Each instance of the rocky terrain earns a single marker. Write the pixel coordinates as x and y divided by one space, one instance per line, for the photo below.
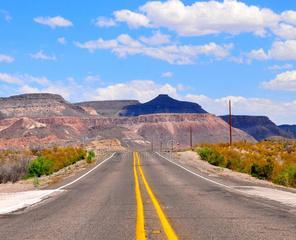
36 120
38 105
260 127
22 132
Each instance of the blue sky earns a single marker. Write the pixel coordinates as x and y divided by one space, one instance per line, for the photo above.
202 51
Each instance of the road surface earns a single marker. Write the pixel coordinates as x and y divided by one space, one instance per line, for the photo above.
144 196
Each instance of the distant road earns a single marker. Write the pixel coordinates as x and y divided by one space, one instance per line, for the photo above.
175 205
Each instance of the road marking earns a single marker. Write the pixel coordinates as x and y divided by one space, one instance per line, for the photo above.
84 175
140 224
49 192
169 231
196 174
283 197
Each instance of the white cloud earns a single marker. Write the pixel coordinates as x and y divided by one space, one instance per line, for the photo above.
134 20
210 17
7 78
258 54
54 22
62 40
289 17
280 50
41 55
28 89
92 78
280 67
143 90
124 46
22 79
6 59
97 44
280 112
283 50
167 74
283 81
104 22
202 18
156 39
6 15
285 31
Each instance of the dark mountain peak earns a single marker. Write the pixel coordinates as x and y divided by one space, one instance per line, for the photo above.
260 127
163 98
291 129
163 103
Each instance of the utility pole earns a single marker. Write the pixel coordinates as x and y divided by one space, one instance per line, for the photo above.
230 123
190 135
152 143
160 142
172 149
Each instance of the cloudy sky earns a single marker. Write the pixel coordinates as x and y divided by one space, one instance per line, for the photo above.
202 51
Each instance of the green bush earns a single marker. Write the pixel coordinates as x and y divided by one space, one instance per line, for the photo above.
263 171
39 166
212 156
287 177
90 156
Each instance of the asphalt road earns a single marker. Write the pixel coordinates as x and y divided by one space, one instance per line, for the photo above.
103 206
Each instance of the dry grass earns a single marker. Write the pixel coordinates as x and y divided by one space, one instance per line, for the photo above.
16 165
13 165
272 160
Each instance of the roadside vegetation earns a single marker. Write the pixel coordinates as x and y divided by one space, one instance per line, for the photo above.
272 160
16 165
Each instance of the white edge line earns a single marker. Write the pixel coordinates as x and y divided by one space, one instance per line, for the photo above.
64 186
77 179
196 174
225 186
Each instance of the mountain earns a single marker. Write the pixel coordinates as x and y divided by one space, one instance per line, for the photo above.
162 104
291 129
106 108
260 127
38 105
206 128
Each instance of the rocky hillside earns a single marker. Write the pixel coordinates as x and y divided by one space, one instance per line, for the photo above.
142 129
38 105
162 104
106 108
260 127
291 129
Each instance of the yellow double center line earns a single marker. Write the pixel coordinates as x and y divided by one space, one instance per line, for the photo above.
140 224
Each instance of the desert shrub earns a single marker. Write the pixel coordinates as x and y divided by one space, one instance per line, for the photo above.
40 166
212 156
262 171
287 177
90 156
13 166
272 160
63 157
